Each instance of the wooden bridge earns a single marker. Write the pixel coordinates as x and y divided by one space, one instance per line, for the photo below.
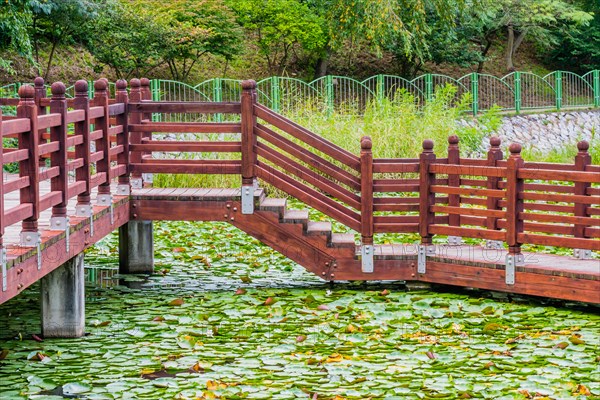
82 169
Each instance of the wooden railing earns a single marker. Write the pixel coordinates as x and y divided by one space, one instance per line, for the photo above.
493 199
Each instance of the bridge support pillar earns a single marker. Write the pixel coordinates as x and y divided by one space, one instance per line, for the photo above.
136 248
63 300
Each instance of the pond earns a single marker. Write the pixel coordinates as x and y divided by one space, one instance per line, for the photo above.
231 319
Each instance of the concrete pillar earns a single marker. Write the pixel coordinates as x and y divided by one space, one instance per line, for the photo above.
63 300
136 248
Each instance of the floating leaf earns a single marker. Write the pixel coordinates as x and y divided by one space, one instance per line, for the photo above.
575 339
3 354
76 388
335 357
240 292
431 355
37 338
384 292
561 345
269 301
300 338
176 302
323 307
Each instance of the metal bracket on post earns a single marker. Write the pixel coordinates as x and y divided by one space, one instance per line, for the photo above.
4 269
61 224
582 254
494 244
512 261
86 211
136 183
106 200
123 190
455 240
147 177
366 254
247 199
33 239
424 251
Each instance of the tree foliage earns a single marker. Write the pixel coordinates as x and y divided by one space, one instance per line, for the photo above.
15 19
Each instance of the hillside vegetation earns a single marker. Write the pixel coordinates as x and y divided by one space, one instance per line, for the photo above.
192 40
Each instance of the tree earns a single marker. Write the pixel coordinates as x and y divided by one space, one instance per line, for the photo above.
197 28
398 25
130 41
281 28
59 21
15 18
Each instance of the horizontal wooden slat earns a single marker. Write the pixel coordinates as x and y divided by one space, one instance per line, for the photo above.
49 173
17 214
167 167
96 156
186 107
393 187
16 184
548 228
76 189
9 102
395 228
47 148
74 140
467 170
116 109
115 130
386 166
545 240
15 126
75 116
592 232
181 146
118 170
467 232
188 127
50 200
49 121
560 219
566 198
557 175
96 112
15 155
396 219
115 150
468 191
95 135
477 212
474 161
396 207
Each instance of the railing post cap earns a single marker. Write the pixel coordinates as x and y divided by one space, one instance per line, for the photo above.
145 82
38 82
101 85
453 140
583 146
121 84
366 143
26 92
515 149
249 84
135 83
495 141
428 145
81 88
58 89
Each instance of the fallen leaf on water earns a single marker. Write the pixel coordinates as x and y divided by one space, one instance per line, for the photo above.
37 338
335 357
431 355
269 301
240 292
176 302
178 250
36 356
323 307
300 338
245 279
562 345
158 319
576 339
581 389
3 354
384 292
350 328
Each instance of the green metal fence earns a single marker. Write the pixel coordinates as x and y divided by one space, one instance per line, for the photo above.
516 92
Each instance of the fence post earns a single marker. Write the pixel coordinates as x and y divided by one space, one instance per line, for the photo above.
475 92
366 204
517 81
428 87
218 95
121 96
248 100
596 77
582 160
40 93
58 105
558 88
493 156
30 236
514 207
135 137
2 249
146 136
83 151
275 94
329 94
426 200
454 181
380 90
104 197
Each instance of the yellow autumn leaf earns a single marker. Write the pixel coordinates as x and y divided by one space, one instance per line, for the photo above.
335 357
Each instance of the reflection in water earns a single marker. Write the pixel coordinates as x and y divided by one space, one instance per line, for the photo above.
101 277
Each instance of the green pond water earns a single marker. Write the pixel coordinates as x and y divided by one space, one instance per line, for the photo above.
231 319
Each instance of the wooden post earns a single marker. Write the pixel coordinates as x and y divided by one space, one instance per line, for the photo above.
514 206
121 96
103 144
582 160
366 203
2 249
454 181
135 96
60 183
493 156
426 201
146 95
82 151
249 158
30 236
40 93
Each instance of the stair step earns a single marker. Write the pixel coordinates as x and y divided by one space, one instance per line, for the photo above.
343 240
274 205
295 217
318 228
